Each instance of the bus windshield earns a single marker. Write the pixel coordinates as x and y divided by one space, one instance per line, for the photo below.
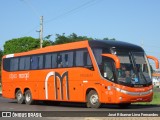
134 69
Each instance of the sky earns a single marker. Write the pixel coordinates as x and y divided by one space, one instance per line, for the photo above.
133 21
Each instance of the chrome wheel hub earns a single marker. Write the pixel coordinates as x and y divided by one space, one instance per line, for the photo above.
28 97
94 99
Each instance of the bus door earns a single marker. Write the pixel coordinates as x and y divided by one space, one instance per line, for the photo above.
108 72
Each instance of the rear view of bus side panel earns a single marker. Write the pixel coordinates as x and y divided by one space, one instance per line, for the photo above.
7 86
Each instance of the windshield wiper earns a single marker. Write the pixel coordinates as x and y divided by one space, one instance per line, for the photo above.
141 73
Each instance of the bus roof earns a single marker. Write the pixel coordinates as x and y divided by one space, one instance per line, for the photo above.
117 44
54 48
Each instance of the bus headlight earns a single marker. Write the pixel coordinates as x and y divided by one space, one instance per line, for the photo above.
120 98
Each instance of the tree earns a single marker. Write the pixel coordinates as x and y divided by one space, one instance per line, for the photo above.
60 39
28 43
109 39
23 44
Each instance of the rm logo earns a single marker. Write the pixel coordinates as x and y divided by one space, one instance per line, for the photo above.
56 75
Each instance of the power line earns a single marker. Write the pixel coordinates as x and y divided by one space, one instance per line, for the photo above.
71 11
34 28
86 4
32 8
35 12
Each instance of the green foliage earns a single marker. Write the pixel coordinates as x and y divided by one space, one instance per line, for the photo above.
1 55
23 44
47 43
109 39
20 45
60 39
28 43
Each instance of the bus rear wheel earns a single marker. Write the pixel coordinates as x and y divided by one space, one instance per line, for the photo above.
28 97
19 97
93 99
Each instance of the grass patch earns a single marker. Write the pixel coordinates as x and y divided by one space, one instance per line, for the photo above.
156 98
0 88
155 101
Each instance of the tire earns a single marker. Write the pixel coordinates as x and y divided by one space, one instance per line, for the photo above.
28 98
19 97
124 105
93 99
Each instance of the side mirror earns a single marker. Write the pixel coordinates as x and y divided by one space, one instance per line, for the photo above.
155 60
115 58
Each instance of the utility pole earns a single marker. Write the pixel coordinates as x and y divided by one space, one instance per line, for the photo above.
41 31
142 44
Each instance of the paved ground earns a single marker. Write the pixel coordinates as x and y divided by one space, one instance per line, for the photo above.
11 105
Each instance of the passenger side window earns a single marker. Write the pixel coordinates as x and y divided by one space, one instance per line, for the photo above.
40 61
34 62
79 58
65 59
97 53
14 64
24 63
7 64
54 60
82 58
48 60
70 59
86 58
59 61
21 63
108 69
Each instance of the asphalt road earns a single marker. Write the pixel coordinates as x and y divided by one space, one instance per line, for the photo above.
11 105
75 108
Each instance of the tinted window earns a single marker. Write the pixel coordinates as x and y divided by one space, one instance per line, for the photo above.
86 58
59 60
70 59
21 63
54 60
79 57
40 61
97 53
24 63
6 64
34 62
82 58
65 59
14 64
48 60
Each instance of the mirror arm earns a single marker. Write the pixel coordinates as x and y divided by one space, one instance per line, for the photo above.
115 58
155 60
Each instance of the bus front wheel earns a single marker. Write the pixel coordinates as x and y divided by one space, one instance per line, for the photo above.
28 97
93 99
19 97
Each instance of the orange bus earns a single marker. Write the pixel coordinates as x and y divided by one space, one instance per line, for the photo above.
92 72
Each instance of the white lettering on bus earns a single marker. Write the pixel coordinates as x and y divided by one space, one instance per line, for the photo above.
12 76
21 76
24 75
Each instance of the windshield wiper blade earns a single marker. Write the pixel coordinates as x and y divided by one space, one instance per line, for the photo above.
141 73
